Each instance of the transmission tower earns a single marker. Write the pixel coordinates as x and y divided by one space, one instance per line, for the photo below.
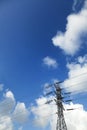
61 124
59 99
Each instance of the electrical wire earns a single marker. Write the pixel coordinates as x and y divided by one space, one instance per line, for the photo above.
76 90
50 85
78 75
74 84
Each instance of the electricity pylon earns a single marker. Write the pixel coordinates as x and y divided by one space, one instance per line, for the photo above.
61 124
59 99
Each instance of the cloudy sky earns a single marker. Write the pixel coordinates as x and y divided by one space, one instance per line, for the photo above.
42 41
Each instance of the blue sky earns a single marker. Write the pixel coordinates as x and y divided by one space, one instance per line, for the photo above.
41 41
27 28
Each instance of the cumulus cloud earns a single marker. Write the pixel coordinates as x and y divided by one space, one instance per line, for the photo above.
50 62
83 59
11 112
77 75
71 40
7 105
6 123
46 115
20 113
42 112
76 119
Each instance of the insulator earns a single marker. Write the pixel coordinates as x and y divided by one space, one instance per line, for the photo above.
48 101
48 93
68 101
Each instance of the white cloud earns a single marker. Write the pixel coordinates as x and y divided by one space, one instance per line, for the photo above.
71 40
7 105
10 112
42 112
6 123
82 60
9 95
50 62
20 113
76 119
46 115
77 75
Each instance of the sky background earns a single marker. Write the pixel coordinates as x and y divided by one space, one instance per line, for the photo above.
41 41
26 30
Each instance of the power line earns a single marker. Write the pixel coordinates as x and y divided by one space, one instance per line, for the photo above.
78 75
74 90
61 82
79 83
72 85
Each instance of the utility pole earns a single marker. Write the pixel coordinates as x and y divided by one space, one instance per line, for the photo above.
61 125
